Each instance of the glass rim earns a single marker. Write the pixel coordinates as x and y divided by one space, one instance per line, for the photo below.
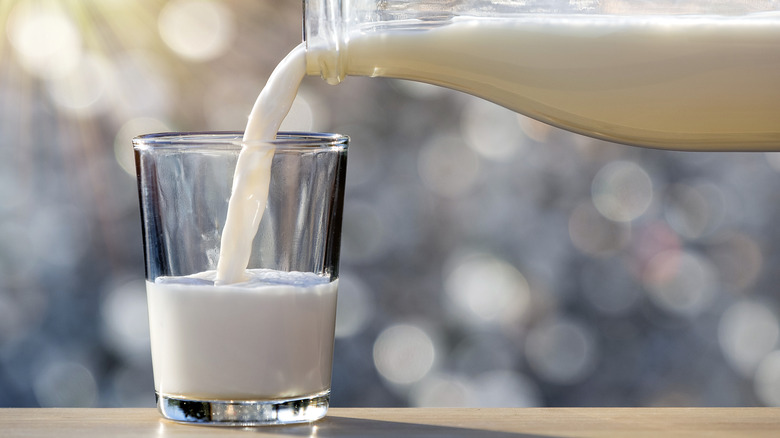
234 140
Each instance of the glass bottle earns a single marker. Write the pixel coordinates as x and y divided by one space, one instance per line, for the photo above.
671 74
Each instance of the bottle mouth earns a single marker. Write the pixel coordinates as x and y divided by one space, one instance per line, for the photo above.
324 39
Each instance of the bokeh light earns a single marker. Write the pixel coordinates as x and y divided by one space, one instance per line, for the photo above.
485 290
47 41
492 131
561 351
442 391
622 191
680 282
199 30
747 332
404 354
86 91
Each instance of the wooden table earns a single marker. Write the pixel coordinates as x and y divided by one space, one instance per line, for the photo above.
365 422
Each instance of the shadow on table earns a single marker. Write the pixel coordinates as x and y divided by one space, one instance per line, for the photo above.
331 426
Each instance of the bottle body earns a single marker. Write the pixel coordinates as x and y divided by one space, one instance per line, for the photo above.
692 82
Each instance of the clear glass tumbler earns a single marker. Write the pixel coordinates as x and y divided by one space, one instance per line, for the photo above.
258 352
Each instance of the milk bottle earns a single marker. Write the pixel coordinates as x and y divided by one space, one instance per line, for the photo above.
670 75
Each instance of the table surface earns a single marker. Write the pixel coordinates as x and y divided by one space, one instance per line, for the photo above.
407 422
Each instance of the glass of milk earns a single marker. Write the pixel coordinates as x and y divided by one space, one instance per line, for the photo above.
258 350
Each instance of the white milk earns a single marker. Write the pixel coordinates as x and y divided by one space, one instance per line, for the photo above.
269 338
708 83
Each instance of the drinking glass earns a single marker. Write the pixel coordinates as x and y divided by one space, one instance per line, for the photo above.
260 351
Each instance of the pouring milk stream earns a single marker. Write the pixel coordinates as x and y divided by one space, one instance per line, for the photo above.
253 170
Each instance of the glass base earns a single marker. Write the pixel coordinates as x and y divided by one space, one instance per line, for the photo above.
244 412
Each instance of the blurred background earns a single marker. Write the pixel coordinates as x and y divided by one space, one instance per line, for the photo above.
487 259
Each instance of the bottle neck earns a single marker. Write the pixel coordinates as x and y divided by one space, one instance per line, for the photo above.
323 33
327 25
